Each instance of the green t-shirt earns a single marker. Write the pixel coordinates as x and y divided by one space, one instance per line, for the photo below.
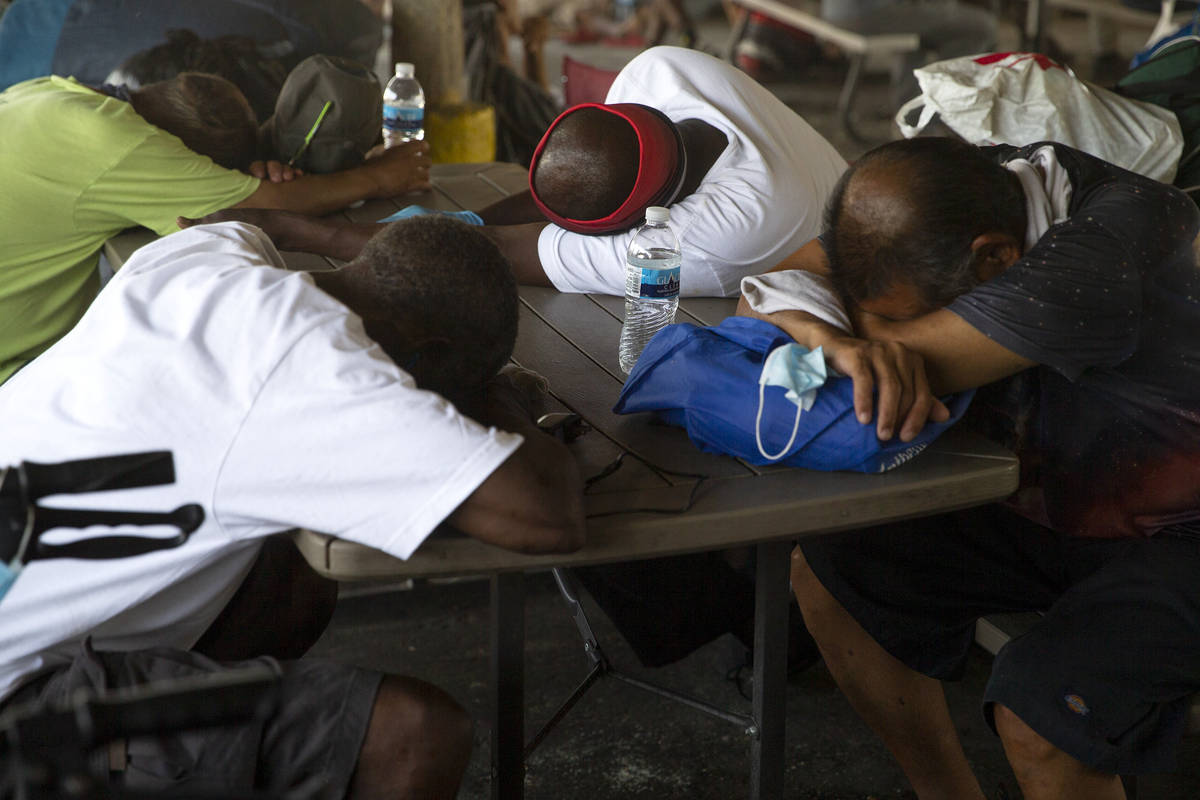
76 168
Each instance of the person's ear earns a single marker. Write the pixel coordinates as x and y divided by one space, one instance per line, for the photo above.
994 252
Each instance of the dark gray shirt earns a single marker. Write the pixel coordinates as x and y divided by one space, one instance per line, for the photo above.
1108 302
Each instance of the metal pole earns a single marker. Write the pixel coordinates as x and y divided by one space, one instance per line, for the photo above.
508 685
429 33
772 596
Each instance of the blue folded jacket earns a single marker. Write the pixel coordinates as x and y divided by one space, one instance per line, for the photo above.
706 380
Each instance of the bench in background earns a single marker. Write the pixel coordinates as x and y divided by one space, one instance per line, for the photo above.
859 47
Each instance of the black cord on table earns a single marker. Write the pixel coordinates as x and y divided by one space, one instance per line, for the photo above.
617 463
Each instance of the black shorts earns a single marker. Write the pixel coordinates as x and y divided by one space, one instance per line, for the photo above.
313 739
1106 674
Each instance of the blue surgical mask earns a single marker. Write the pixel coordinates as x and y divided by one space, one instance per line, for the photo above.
8 575
798 370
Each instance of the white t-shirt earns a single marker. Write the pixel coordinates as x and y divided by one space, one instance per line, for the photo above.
761 201
280 413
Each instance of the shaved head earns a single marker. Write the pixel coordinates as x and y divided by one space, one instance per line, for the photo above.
588 166
439 298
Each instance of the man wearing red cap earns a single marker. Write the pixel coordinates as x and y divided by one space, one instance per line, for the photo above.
745 178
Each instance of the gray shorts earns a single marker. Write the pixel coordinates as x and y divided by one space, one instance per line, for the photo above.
312 740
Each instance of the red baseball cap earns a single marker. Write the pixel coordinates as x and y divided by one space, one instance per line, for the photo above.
662 164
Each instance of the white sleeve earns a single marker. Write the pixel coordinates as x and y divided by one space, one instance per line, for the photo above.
577 263
796 290
596 264
340 440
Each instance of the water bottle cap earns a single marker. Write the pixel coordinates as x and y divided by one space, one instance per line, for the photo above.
404 69
658 214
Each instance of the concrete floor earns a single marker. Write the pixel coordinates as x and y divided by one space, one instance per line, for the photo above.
621 743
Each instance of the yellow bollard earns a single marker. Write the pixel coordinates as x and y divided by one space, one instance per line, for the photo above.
461 133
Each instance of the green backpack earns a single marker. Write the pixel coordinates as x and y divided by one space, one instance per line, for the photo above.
1171 78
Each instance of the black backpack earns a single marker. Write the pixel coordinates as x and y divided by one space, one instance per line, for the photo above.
1171 78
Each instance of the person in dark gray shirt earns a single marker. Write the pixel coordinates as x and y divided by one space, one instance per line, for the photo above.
1067 289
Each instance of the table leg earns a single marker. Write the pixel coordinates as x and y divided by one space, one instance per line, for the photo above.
846 97
737 31
508 685
772 596
1034 35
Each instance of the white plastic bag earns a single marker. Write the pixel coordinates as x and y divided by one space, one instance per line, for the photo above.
1021 98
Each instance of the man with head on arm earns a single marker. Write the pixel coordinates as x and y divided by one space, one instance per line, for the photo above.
745 178
1067 288
287 401
79 165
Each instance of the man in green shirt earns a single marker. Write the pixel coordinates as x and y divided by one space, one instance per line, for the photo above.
79 165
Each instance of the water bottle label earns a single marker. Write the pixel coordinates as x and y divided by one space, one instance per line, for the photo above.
403 120
655 284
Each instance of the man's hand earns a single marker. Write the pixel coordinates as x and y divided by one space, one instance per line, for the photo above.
395 171
897 373
274 171
400 169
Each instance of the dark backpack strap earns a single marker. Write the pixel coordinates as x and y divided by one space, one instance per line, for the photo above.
185 519
1186 87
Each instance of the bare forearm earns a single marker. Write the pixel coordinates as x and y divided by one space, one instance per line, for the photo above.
316 194
516 209
385 173
332 236
346 240
957 356
810 258
808 330
533 503
519 244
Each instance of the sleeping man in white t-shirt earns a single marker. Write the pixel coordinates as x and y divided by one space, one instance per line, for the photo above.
745 177
288 400
746 180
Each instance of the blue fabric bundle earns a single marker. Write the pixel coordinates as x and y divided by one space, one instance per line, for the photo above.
706 380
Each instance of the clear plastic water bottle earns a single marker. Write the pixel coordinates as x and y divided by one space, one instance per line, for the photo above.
403 107
651 284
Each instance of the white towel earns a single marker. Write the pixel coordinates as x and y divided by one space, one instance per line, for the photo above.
796 290
1047 192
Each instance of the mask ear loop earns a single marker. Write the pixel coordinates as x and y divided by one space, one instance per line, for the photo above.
758 428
